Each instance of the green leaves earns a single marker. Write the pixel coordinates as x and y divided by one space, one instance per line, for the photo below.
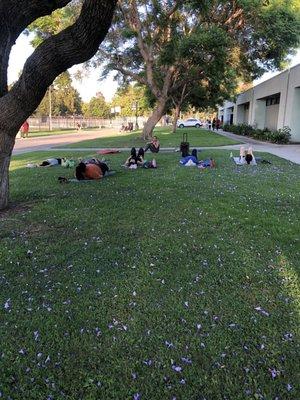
64 97
52 24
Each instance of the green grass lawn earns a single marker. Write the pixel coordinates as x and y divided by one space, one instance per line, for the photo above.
172 283
58 132
196 137
51 133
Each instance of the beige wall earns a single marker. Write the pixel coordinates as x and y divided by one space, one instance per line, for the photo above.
272 113
287 113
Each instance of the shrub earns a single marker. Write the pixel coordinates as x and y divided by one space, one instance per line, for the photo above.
280 136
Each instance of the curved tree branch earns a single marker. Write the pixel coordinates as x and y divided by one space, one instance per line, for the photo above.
73 45
15 16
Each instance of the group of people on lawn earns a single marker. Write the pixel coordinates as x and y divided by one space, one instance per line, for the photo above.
96 169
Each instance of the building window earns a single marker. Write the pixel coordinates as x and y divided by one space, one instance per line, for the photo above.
246 106
271 101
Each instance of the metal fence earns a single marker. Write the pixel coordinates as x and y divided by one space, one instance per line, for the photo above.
60 123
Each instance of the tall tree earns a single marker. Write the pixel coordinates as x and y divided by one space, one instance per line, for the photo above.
65 98
96 107
133 101
146 40
73 45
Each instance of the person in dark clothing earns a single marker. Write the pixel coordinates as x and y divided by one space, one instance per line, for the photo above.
140 157
214 124
132 159
153 146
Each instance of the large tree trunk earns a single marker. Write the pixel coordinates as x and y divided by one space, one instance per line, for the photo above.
157 114
176 117
6 146
55 55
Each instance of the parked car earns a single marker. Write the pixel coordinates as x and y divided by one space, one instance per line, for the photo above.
191 122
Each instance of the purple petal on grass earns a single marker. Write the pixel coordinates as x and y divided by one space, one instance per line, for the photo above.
288 336
7 304
186 360
148 362
262 311
137 396
176 368
274 373
169 344
289 387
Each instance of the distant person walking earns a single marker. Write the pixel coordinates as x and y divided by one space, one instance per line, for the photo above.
218 124
25 129
214 124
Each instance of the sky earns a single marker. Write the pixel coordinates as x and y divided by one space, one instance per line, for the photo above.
90 84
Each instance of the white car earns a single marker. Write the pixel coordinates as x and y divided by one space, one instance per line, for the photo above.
189 123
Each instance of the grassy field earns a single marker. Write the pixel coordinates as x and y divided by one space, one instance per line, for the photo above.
197 138
172 283
58 132
51 133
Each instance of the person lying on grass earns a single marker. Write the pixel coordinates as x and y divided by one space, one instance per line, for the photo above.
135 160
209 163
91 170
247 156
190 160
51 162
153 146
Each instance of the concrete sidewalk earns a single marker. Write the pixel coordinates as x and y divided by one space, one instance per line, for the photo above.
290 152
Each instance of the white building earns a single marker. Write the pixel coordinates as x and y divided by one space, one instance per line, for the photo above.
272 104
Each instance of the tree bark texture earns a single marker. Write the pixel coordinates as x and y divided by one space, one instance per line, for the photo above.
55 55
6 146
176 117
157 114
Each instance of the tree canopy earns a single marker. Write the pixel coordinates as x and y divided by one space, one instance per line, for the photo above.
65 98
158 43
96 107
133 100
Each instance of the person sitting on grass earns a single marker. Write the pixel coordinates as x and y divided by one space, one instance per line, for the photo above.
132 159
153 146
91 170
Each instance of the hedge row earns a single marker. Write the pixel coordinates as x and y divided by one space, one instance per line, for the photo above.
280 136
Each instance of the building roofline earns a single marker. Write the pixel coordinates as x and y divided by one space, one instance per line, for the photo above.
273 77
